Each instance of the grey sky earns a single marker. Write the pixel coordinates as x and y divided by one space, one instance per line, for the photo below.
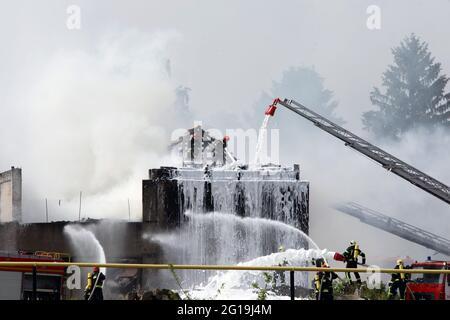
228 51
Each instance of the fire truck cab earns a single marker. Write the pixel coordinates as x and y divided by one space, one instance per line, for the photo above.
17 281
429 286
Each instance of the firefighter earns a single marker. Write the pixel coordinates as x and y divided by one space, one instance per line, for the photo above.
398 282
94 287
88 289
351 258
323 281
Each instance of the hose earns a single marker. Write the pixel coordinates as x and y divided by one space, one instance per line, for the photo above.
94 287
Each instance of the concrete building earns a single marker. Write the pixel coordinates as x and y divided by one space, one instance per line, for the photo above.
11 195
212 179
274 193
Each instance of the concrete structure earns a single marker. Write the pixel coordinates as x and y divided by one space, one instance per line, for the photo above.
120 240
11 195
270 192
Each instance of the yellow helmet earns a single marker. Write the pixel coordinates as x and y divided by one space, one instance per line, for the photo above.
280 249
352 243
400 262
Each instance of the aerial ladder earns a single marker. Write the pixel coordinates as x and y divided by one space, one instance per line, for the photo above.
388 161
397 227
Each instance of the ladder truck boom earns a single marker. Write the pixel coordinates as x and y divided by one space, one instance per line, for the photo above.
397 227
388 161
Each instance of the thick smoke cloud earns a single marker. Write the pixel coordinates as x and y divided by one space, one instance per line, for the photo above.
96 121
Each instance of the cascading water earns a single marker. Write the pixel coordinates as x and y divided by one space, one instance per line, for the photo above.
86 246
272 193
237 284
221 238
262 135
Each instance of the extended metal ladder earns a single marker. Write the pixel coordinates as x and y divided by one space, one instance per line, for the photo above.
397 227
388 161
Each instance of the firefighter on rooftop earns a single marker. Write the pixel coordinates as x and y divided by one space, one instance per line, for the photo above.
351 258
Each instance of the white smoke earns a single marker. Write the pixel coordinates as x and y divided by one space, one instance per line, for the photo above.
96 121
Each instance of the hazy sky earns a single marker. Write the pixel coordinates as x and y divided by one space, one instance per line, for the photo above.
227 52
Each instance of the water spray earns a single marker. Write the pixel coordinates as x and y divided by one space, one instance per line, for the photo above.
85 244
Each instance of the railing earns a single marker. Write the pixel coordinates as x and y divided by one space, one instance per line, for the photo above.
291 269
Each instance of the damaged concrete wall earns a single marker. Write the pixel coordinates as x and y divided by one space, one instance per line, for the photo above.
11 195
123 242
120 240
160 198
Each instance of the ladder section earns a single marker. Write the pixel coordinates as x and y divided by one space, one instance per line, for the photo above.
388 161
397 227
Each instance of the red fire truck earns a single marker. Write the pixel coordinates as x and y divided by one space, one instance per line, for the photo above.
429 286
16 282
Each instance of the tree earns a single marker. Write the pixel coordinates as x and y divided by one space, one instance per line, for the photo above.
306 86
414 92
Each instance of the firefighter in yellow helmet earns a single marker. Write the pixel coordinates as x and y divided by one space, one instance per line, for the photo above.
398 282
94 287
351 258
323 281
